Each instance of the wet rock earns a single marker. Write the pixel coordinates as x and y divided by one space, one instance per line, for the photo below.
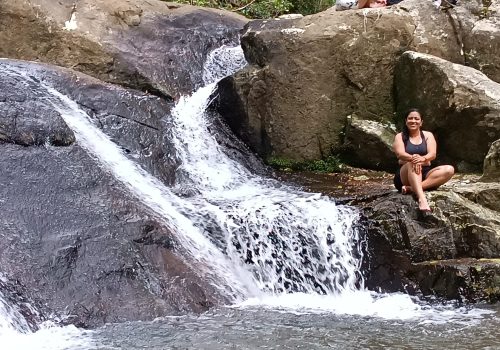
430 254
25 314
459 104
410 251
22 110
469 280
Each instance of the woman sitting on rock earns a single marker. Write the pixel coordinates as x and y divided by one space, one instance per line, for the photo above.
341 5
415 150
361 4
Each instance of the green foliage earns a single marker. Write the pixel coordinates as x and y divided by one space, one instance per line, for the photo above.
331 164
265 8
485 10
308 7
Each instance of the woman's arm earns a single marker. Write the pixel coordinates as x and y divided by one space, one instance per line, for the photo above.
399 148
431 146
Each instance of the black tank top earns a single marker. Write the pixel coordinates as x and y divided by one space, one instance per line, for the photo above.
420 149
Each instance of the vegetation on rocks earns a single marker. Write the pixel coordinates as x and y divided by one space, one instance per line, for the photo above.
265 8
330 164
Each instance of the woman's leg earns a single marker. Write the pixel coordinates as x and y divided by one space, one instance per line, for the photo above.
435 177
410 177
377 3
363 3
438 176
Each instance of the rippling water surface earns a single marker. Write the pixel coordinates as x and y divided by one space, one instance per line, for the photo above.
262 328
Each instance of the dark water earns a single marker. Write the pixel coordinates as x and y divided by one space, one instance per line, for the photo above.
258 328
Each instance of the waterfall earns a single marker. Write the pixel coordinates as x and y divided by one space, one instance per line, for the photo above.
246 234
290 240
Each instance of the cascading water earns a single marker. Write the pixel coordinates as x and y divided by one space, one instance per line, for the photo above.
11 320
271 237
290 240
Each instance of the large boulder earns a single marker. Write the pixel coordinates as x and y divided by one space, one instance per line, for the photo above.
307 75
149 45
478 30
459 104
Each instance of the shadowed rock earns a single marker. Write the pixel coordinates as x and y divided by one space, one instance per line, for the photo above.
368 144
412 252
491 166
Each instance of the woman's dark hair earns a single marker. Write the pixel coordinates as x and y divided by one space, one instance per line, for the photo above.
405 131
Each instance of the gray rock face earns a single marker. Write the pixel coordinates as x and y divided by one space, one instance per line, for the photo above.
459 104
21 109
478 29
69 230
368 144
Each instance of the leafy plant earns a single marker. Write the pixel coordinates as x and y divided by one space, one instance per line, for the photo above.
331 164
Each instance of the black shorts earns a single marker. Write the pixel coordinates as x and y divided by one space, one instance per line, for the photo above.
397 177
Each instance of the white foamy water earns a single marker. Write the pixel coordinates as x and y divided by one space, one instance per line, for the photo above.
11 320
390 306
49 337
289 239
154 194
16 334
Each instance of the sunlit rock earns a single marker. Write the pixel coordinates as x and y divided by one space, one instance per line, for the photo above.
308 74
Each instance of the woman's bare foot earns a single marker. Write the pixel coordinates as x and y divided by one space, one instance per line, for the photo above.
423 205
377 3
